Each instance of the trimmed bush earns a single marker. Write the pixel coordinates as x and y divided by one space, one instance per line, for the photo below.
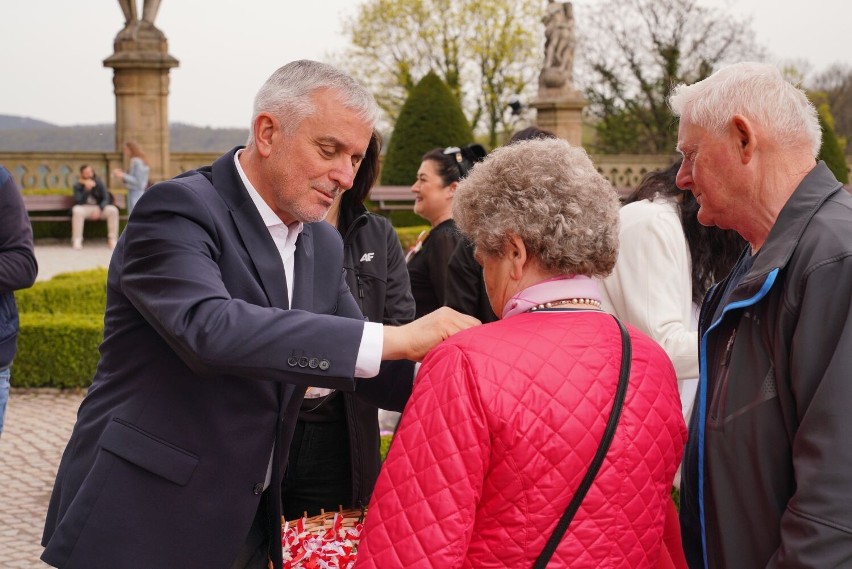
62 325
430 118
408 235
384 445
831 150
57 350
67 293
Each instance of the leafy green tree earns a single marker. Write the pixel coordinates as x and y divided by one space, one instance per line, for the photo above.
836 83
631 54
831 150
486 51
431 117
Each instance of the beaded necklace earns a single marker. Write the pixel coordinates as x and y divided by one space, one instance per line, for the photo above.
584 302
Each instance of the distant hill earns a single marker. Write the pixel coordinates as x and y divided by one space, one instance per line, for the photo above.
20 134
8 122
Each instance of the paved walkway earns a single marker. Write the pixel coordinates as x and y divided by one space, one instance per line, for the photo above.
61 258
38 424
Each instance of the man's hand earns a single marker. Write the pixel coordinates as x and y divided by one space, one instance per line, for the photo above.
413 341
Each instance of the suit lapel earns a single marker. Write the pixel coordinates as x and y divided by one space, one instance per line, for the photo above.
263 253
253 232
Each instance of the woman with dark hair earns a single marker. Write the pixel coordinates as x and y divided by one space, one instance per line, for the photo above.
334 456
437 179
465 290
666 263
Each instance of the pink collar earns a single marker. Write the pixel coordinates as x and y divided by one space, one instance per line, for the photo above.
572 286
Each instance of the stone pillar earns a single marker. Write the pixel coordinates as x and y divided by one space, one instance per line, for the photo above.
563 117
559 107
141 64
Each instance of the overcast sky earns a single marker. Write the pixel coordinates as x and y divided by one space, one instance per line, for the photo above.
51 51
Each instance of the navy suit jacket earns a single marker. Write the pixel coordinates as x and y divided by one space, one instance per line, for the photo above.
202 371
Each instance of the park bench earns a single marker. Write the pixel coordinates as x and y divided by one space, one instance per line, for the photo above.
58 207
392 197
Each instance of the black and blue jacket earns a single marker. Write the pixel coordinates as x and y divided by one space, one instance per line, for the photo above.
766 475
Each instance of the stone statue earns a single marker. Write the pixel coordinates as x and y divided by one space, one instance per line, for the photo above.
559 45
133 26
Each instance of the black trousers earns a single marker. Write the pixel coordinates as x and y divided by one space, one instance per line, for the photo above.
319 473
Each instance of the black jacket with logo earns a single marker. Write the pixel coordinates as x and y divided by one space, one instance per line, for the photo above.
375 271
378 279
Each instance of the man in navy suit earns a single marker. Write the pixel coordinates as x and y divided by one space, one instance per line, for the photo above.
225 301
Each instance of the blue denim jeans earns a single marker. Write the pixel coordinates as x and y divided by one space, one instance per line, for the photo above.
4 394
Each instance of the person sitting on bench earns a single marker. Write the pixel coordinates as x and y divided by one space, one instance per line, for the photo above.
93 202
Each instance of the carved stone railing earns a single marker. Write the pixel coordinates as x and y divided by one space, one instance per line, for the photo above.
59 170
625 171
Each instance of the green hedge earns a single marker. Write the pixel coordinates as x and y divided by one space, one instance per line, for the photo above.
57 350
68 293
384 445
408 235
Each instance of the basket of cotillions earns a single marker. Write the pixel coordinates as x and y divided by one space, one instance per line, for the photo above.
326 541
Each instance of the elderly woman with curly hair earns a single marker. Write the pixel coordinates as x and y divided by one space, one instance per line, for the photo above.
507 419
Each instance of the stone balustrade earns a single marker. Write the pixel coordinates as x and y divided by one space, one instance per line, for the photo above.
57 170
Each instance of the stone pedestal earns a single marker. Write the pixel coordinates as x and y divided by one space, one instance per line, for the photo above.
141 64
561 112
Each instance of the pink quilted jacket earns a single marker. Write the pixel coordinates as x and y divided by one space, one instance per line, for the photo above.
499 431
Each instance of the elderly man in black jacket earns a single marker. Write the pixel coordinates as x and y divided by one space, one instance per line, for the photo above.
765 480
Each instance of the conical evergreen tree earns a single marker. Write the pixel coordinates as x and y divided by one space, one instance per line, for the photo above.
430 118
831 151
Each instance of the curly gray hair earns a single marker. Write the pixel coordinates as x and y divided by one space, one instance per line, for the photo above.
549 194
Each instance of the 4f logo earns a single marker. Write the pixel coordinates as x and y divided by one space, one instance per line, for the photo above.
366 257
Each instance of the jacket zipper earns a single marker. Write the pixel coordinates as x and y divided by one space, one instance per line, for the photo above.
360 285
720 391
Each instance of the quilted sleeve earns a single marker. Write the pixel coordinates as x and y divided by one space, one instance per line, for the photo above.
423 508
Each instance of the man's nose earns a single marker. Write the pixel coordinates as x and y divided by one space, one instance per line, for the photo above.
344 174
683 180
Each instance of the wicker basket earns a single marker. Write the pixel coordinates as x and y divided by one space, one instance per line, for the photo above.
323 520
320 525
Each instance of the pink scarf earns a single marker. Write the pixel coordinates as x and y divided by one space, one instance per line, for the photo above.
556 288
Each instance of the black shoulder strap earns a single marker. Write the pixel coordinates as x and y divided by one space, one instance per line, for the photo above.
597 461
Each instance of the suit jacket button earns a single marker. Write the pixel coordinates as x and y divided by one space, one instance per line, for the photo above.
324 364
292 361
314 363
303 362
258 488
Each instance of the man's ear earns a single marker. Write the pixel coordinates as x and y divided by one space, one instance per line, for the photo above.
517 253
263 132
746 138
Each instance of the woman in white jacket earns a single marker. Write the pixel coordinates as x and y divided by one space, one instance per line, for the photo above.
666 263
